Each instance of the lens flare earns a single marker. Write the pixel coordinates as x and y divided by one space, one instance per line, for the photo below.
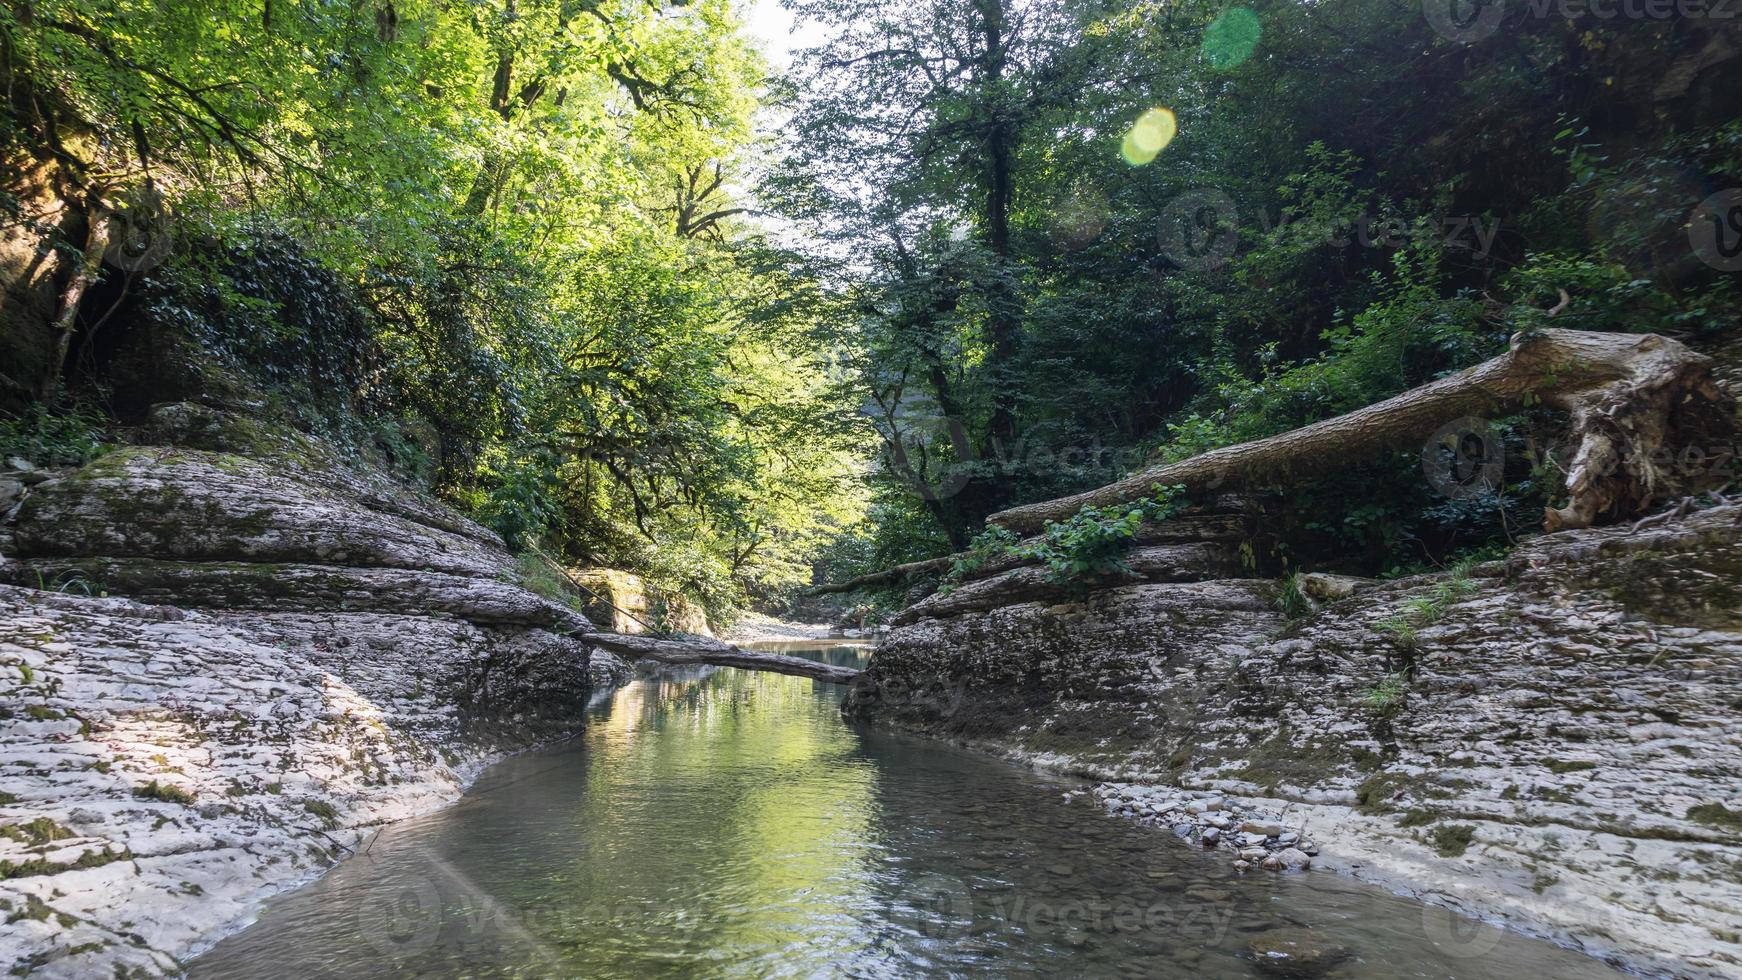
1230 38
1148 136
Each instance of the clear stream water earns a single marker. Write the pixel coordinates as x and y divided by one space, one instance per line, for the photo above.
722 823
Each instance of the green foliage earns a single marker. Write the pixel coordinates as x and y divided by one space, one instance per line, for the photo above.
520 501
1362 257
45 437
1452 840
71 583
1401 629
1388 697
1292 600
1404 626
536 574
502 247
1091 544
164 792
991 543
323 811
1716 815
35 832
509 248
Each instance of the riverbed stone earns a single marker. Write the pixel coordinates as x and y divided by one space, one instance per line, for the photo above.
1296 953
1293 859
252 654
1571 706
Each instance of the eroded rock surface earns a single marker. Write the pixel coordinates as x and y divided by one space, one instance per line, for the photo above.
1553 741
222 663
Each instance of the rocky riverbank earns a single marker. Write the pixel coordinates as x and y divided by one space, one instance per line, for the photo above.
1551 741
226 656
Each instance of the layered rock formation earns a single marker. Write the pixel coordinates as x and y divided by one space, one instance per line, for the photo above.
1552 740
224 657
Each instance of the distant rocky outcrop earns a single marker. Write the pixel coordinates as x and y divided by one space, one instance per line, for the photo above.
1551 739
226 654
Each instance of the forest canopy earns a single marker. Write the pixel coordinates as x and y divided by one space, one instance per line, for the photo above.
600 275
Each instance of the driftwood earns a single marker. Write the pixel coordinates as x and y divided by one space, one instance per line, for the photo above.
705 651
1627 394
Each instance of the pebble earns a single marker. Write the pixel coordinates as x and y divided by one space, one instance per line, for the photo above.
1266 828
1295 953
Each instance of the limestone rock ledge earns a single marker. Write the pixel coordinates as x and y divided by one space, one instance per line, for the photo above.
1566 755
223 662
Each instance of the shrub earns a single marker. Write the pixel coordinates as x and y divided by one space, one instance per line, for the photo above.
164 792
1386 698
48 438
1293 602
1089 544
1092 542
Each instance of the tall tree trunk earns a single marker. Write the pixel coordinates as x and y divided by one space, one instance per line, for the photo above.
86 272
1000 191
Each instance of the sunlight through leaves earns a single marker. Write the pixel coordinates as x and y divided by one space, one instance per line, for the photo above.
1149 136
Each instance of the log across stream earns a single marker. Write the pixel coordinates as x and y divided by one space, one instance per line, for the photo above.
701 650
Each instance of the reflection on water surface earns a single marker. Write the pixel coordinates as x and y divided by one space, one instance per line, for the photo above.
726 823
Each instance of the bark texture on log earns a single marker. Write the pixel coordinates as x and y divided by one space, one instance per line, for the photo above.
1628 396
703 651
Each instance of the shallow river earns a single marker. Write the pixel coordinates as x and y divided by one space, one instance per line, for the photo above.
724 823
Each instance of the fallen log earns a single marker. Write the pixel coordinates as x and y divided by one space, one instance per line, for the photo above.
894 575
704 651
1224 518
1626 394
